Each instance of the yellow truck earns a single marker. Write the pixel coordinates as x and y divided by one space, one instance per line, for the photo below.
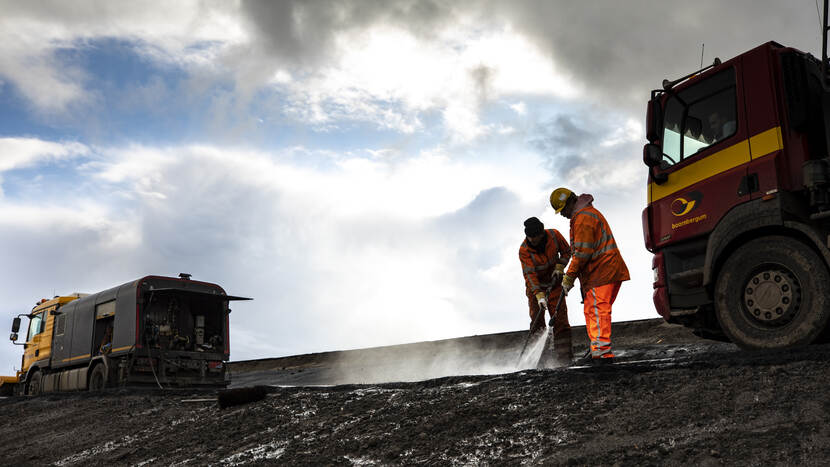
157 330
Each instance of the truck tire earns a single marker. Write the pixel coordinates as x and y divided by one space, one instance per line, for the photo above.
98 378
769 295
35 384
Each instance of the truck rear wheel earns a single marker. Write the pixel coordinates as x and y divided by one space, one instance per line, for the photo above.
768 294
34 386
98 378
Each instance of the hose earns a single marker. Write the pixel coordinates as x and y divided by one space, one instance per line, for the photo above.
147 343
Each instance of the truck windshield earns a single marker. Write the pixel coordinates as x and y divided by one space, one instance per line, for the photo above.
699 116
34 326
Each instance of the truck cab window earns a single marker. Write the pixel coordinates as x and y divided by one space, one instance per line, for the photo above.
704 114
717 116
35 327
671 133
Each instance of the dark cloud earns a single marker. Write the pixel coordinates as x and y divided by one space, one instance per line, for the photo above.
621 50
563 143
482 77
302 33
618 51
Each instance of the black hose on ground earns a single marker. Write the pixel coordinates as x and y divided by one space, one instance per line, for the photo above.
238 396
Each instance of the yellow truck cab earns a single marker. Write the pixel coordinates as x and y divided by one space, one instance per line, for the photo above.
38 345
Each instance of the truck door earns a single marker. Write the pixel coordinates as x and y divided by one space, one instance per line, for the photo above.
37 324
63 335
763 123
705 156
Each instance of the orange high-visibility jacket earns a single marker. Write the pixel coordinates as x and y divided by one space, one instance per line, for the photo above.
596 259
538 266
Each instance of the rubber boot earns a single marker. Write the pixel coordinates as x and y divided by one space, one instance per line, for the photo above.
562 348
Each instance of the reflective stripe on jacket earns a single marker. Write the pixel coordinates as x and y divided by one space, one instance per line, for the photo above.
537 267
596 259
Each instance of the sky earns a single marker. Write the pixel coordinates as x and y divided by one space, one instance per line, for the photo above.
362 169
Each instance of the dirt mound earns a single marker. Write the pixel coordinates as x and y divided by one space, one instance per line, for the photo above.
705 407
487 354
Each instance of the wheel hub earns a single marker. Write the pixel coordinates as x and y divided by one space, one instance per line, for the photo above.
772 297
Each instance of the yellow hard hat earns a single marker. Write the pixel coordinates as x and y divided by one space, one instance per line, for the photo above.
559 197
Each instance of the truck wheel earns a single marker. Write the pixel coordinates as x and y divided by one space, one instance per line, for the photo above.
34 386
98 378
769 295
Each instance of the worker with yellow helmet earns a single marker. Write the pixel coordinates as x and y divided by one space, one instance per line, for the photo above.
596 262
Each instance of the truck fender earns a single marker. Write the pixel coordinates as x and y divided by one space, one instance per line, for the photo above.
755 216
32 369
815 240
102 359
90 370
740 220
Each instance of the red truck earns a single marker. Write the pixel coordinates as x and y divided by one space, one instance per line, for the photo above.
738 214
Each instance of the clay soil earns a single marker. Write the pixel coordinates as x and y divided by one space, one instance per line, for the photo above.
710 407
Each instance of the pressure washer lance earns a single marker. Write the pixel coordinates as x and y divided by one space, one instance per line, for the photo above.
542 311
549 338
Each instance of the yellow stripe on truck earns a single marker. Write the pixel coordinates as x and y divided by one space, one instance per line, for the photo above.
766 143
75 358
762 144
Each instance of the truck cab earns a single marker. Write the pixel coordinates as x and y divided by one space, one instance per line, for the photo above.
738 202
37 348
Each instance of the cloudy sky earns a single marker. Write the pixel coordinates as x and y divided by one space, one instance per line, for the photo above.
361 168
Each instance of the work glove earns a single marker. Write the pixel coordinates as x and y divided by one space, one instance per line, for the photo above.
567 284
558 272
540 297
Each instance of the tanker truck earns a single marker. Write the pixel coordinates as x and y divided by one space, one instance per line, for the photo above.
160 331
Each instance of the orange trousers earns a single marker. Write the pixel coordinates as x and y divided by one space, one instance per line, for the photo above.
598 301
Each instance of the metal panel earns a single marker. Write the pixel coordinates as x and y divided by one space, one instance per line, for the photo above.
84 317
756 76
50 383
106 295
201 293
64 381
61 345
125 309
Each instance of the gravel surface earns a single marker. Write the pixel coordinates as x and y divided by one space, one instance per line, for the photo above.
706 405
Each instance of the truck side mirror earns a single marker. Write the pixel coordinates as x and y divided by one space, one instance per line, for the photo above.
654 119
659 177
13 337
16 325
652 155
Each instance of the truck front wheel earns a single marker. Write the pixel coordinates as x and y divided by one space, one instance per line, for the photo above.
98 378
769 295
34 386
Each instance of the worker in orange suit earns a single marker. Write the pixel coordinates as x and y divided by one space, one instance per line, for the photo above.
544 254
597 263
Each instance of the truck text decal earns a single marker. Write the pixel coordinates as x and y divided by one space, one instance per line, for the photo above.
691 220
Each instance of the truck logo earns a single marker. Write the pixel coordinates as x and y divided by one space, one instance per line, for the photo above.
684 205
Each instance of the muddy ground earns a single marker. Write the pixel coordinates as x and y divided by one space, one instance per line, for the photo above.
703 403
